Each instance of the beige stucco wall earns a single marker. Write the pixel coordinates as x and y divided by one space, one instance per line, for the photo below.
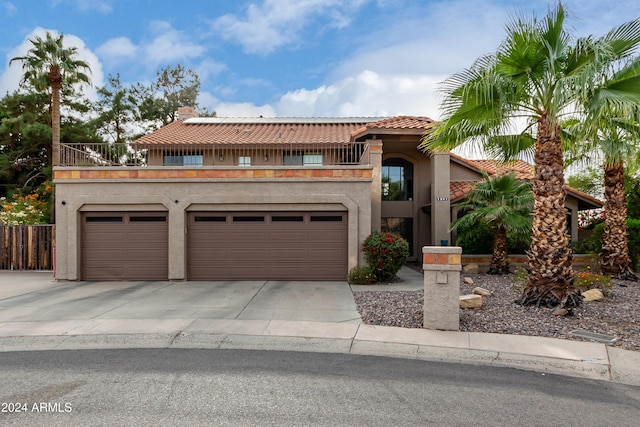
463 173
178 196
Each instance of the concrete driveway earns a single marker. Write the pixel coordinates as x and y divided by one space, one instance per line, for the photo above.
36 297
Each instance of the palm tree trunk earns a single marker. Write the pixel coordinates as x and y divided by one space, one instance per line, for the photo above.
615 250
55 123
550 269
500 257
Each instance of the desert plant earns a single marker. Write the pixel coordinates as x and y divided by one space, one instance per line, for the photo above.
386 253
362 275
588 280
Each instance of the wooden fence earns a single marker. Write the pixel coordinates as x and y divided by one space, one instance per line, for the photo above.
26 247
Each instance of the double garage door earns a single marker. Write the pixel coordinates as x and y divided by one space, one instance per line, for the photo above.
267 245
220 245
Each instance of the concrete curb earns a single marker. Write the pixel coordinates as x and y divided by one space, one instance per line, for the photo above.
546 355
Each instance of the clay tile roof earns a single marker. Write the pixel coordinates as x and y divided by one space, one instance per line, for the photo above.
255 131
459 188
404 123
520 168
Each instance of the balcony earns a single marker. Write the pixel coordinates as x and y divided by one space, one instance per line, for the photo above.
222 155
213 162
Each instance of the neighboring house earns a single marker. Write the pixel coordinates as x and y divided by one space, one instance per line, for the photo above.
254 198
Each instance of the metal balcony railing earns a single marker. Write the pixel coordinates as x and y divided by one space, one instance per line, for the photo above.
223 155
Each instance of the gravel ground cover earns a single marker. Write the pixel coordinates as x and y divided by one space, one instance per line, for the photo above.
618 315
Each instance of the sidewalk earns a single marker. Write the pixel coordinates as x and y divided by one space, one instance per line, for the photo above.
547 355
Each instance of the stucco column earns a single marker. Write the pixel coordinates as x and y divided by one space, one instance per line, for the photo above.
440 203
177 241
441 267
375 158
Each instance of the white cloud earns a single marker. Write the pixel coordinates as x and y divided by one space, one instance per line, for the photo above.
9 8
10 79
367 94
208 68
165 46
169 45
243 109
117 50
276 23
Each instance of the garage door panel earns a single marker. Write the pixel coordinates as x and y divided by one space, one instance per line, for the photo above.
283 245
124 246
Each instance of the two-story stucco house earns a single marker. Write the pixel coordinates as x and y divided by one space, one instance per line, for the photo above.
257 198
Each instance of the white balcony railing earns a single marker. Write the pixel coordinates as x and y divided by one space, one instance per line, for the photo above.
224 155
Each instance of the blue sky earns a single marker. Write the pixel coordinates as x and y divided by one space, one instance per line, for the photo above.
288 57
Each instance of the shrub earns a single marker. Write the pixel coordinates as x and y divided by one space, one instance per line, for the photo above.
479 240
386 253
362 276
21 210
587 280
586 246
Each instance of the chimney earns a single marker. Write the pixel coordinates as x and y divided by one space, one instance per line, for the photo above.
185 113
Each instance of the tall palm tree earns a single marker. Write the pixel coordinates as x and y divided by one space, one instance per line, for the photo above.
537 76
48 64
503 203
612 129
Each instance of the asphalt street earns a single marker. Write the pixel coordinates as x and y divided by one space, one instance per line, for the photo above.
245 387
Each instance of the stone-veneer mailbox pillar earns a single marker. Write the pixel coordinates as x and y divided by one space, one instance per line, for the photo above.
442 265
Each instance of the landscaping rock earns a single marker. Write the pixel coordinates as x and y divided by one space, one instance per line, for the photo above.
471 268
593 295
481 291
470 301
468 280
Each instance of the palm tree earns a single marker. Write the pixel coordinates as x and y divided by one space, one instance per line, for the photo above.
616 139
612 129
537 76
49 64
503 203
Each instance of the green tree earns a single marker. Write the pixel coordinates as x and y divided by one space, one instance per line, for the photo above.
50 65
504 204
25 142
158 103
538 75
115 110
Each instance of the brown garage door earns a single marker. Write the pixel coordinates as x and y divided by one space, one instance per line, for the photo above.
124 246
267 245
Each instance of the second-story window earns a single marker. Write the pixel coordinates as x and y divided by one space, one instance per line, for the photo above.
183 160
244 160
300 158
397 179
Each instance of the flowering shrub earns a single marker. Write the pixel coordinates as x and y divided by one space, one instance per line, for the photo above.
386 253
589 218
587 280
362 276
22 210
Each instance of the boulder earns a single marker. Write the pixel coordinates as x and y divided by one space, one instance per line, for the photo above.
593 295
468 281
481 291
471 268
470 301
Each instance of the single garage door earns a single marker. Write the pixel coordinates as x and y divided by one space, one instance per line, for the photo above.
124 246
267 245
